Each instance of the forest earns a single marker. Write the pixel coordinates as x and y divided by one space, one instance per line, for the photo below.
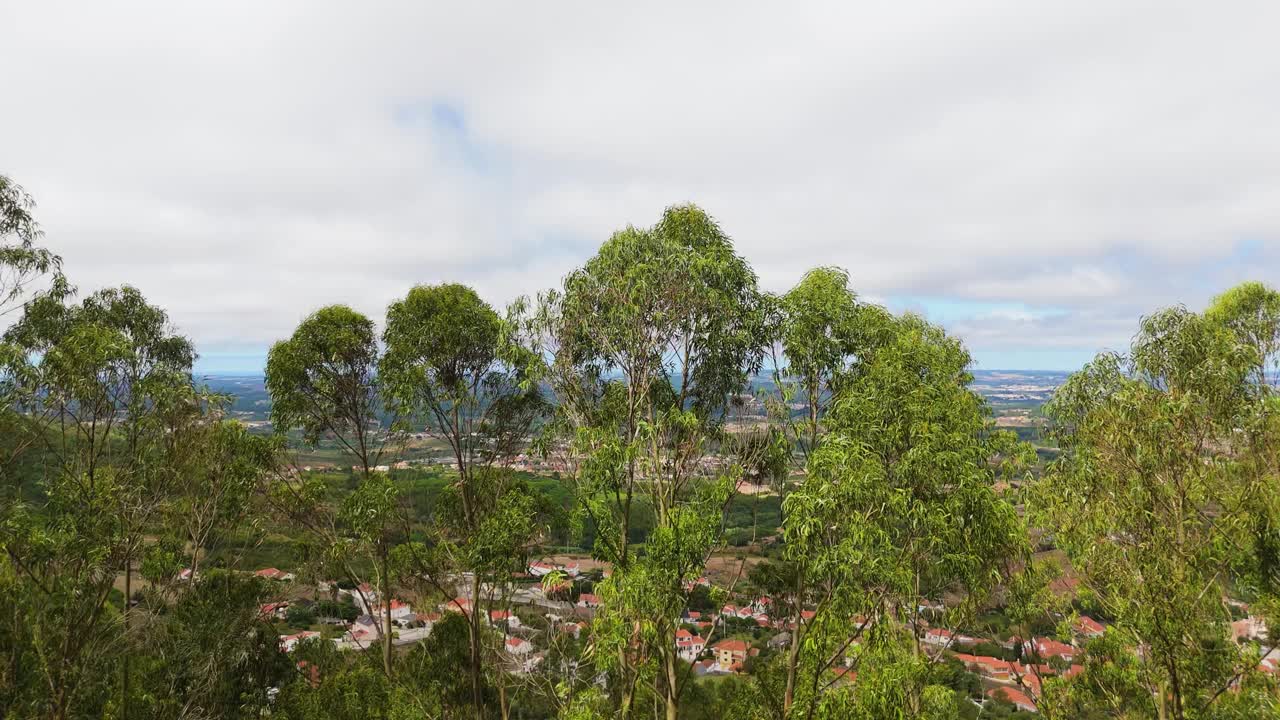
619 522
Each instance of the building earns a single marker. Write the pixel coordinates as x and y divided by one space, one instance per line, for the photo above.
1015 696
1086 627
275 609
1046 648
1250 628
730 654
289 642
499 618
458 604
688 645
400 610
989 667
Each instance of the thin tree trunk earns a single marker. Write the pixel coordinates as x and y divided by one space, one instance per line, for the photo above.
124 666
477 697
673 704
628 696
386 614
793 652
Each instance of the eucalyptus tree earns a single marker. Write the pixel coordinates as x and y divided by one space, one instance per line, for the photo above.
323 380
898 503
96 383
24 265
1165 496
823 338
654 340
27 271
220 465
825 335
1251 310
454 367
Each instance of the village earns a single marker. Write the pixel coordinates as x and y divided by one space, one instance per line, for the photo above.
549 601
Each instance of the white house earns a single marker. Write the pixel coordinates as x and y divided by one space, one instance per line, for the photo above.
274 574
289 642
519 646
503 617
400 611
688 645
367 624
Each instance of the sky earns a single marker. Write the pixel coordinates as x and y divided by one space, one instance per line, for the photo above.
1033 176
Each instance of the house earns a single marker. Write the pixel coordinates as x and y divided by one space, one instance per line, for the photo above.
941 637
989 667
689 585
458 604
938 637
503 617
522 654
400 611
187 574
572 628
289 642
780 641
364 631
688 645
729 653
1017 697
1047 648
518 646
426 620
926 605
274 574
1086 627
275 609
1012 642
367 623
364 596
587 600
541 569
1250 628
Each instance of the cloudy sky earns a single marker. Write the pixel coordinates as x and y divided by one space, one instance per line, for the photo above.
1033 175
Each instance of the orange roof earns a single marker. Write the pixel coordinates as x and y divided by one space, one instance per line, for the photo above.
1017 697
1088 625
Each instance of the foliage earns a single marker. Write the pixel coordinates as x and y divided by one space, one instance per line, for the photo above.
899 502
1164 497
652 341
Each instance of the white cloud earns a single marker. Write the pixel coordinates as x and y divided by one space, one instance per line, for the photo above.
243 163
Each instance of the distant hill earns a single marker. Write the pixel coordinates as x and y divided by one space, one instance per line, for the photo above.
1004 389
